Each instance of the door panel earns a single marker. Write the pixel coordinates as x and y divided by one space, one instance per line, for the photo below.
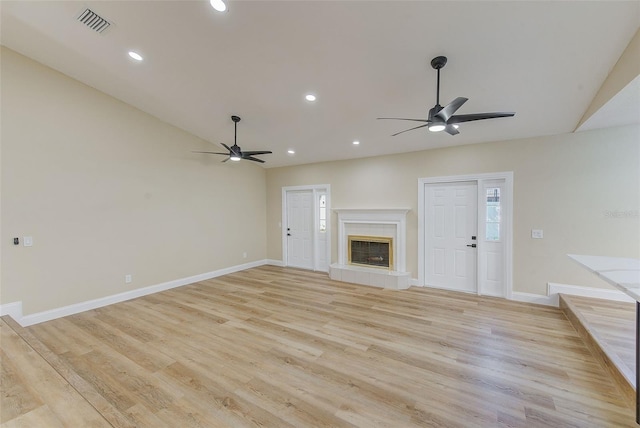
300 229
494 266
451 221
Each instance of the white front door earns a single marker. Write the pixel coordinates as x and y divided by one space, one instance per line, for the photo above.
300 229
451 230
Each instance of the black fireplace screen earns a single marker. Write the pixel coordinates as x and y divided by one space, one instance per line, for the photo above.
371 251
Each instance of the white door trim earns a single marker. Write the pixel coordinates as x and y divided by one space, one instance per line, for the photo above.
316 188
507 223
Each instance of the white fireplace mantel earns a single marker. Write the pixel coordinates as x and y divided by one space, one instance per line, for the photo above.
394 222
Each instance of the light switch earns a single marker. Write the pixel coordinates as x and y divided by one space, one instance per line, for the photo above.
537 233
28 241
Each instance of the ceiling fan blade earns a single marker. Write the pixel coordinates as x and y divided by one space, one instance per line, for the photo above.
226 147
451 130
214 153
410 129
478 116
451 108
253 159
226 158
403 118
262 152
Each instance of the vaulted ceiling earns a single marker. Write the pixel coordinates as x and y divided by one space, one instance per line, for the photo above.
362 59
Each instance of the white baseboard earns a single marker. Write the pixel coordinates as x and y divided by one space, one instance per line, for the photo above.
538 299
273 262
516 296
413 282
116 298
554 289
14 310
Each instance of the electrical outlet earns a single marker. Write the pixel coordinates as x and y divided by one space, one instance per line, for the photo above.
27 241
128 279
244 255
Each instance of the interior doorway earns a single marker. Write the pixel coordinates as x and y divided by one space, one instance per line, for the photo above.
306 227
465 233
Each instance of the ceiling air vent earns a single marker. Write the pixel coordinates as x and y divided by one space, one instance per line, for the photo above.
94 21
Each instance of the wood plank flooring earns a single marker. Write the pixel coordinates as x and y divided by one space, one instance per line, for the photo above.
609 330
282 347
33 394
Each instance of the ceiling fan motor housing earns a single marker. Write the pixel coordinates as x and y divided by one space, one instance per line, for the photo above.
432 113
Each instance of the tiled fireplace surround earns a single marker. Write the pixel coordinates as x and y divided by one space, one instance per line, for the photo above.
372 222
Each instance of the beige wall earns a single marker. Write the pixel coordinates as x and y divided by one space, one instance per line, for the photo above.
567 185
107 190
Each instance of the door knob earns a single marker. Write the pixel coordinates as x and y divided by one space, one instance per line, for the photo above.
472 245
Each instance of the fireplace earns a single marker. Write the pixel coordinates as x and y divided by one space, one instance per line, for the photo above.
378 257
374 251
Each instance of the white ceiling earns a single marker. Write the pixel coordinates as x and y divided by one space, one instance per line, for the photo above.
544 60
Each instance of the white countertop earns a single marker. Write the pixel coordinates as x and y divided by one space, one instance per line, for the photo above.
622 273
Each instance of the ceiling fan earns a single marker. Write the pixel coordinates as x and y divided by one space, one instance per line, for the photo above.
235 153
443 118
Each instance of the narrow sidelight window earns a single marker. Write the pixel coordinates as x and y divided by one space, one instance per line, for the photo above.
322 215
492 226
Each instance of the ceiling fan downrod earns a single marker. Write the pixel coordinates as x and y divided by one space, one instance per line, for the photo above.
235 119
438 89
437 63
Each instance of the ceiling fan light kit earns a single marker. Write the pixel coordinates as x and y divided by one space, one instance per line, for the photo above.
235 153
443 118
218 5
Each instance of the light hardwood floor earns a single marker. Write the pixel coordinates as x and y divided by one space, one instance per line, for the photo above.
609 331
282 347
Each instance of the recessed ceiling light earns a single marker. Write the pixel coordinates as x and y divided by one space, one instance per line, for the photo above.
355 143
291 152
218 5
310 97
135 55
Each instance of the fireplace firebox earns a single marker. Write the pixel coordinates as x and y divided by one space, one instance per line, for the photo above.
373 251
